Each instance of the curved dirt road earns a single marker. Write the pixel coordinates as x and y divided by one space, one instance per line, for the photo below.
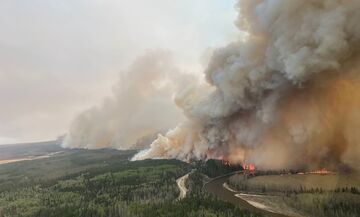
182 187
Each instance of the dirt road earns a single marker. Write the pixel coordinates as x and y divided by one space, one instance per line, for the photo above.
181 182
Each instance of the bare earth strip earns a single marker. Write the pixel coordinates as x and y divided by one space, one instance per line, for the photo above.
182 187
28 158
268 203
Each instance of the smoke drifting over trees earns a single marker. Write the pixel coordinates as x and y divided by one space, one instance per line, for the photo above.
287 95
141 105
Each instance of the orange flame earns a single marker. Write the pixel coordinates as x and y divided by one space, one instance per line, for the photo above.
320 172
224 161
249 167
316 172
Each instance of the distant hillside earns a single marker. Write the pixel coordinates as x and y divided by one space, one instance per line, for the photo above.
29 149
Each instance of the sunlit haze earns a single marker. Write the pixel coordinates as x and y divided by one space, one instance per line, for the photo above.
58 58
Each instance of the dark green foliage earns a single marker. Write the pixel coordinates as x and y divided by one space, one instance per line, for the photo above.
64 165
195 183
326 204
94 193
311 200
215 168
103 183
193 206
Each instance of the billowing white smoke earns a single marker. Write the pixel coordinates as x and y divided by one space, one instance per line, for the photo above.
141 105
273 100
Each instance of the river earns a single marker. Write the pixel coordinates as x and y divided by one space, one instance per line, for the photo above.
216 188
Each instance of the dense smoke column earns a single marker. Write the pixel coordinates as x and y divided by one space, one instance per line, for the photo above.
141 106
284 97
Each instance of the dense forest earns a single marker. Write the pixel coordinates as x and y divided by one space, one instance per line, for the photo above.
104 183
214 168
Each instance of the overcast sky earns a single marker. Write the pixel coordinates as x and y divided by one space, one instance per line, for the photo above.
58 58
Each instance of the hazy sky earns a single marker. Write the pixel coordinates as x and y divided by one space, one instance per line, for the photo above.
57 58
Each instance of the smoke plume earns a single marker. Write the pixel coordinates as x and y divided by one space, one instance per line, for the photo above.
141 106
286 96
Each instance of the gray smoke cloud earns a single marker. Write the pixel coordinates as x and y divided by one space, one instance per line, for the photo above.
141 105
283 97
